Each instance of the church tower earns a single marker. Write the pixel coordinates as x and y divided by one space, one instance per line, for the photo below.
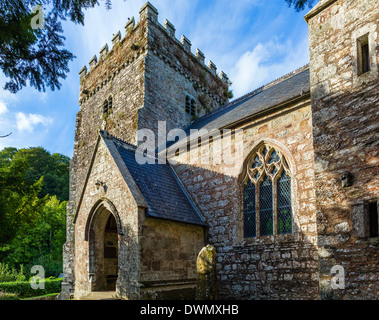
344 58
145 77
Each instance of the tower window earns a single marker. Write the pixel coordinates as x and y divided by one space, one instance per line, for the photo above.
105 107
108 106
363 55
190 106
373 219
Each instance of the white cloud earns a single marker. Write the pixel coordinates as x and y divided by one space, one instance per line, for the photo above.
3 108
267 62
28 122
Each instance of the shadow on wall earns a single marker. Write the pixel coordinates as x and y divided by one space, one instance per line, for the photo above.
346 143
281 266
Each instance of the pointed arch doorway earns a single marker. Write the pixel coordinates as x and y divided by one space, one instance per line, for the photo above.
103 233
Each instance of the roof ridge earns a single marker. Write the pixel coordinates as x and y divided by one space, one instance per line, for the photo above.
254 92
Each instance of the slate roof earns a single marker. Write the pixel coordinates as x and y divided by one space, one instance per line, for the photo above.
163 192
165 196
284 89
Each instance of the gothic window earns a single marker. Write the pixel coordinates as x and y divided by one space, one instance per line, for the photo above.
190 106
267 194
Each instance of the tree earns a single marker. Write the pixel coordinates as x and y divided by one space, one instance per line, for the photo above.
19 201
7 135
27 178
41 242
40 163
32 218
300 4
36 55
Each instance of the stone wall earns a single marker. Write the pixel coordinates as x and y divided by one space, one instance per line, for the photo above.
147 73
168 258
173 72
272 267
104 169
345 126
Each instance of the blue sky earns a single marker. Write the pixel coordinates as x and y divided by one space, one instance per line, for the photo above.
252 41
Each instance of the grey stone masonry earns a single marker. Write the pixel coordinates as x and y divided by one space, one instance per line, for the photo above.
130 25
186 43
170 28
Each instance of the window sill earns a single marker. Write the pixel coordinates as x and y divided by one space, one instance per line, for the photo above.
267 240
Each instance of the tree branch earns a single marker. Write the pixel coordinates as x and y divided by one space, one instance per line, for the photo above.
6 135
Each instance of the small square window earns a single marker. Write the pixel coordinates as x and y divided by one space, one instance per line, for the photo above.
363 55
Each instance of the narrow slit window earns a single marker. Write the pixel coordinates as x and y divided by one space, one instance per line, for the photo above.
188 105
193 107
363 55
105 107
365 58
373 219
110 105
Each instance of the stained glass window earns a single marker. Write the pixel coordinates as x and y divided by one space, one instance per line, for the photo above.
267 194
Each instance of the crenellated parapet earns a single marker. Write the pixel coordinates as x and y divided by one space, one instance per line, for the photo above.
139 40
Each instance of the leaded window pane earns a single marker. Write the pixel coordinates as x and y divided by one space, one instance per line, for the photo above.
284 204
250 211
266 208
268 177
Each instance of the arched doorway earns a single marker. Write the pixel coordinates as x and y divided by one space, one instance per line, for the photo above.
103 236
111 253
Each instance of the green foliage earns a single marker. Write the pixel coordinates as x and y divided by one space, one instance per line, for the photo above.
39 163
228 94
300 4
41 243
36 55
32 218
7 274
19 201
23 289
53 168
8 296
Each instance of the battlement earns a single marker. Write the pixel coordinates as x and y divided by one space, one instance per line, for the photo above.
140 41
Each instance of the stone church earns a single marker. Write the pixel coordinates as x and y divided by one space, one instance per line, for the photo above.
298 210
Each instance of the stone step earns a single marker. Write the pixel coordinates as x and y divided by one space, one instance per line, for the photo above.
100 295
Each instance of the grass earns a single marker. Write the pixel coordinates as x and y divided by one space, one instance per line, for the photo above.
49 296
